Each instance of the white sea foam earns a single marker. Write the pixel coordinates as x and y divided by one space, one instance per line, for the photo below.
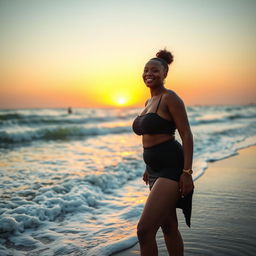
112 247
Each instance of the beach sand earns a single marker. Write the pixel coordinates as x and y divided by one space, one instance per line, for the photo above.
224 211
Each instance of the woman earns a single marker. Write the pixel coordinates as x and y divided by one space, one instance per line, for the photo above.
168 164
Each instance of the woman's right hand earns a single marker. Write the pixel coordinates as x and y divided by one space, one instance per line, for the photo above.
145 177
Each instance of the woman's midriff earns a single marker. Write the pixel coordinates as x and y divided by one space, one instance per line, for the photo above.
149 140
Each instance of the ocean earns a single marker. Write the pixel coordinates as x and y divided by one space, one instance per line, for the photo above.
71 184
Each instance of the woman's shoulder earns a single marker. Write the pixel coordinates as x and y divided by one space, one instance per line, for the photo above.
171 96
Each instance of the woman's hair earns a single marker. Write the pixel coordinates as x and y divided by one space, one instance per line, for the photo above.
165 58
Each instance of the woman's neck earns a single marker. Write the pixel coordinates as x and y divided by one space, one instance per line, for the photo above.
157 91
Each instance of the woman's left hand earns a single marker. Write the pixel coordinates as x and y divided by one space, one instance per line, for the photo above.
186 184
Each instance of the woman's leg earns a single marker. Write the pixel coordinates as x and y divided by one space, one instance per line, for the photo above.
172 236
161 200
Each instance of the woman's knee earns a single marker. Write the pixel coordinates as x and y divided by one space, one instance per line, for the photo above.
145 231
170 225
169 229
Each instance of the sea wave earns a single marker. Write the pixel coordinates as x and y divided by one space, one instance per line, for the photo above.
35 120
37 205
221 118
197 116
57 133
17 127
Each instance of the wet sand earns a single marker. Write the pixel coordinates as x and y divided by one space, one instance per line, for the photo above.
223 219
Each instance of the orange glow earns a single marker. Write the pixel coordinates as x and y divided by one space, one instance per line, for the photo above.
93 62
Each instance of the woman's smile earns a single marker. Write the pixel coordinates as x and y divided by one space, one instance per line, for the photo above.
149 80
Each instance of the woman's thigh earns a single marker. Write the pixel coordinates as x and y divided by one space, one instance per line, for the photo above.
160 203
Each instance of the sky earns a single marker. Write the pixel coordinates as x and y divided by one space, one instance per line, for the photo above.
91 53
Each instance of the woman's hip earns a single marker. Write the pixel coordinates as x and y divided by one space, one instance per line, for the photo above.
166 154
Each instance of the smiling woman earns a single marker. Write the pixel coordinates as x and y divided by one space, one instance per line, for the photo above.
168 163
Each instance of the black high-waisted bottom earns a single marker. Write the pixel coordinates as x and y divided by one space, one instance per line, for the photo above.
166 160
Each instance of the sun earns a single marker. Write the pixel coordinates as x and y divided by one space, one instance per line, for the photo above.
121 100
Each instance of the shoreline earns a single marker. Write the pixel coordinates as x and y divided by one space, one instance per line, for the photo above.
216 213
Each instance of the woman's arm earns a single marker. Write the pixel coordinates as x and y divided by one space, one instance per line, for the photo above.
178 112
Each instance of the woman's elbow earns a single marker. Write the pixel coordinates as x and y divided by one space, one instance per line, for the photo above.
186 135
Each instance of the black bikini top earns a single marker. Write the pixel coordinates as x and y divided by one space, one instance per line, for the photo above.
152 123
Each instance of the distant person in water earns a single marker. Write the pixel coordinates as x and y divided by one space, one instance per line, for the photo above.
168 163
69 110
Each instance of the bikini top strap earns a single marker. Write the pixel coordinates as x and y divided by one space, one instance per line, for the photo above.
158 103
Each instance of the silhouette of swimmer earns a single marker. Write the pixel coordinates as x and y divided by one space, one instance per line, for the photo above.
69 110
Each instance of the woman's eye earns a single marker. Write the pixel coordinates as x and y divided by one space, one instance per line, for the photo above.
152 70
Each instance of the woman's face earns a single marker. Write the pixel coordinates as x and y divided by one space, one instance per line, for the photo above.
154 74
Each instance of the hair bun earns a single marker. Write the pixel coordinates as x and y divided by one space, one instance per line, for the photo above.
165 55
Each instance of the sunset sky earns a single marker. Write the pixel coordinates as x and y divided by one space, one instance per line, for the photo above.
81 53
